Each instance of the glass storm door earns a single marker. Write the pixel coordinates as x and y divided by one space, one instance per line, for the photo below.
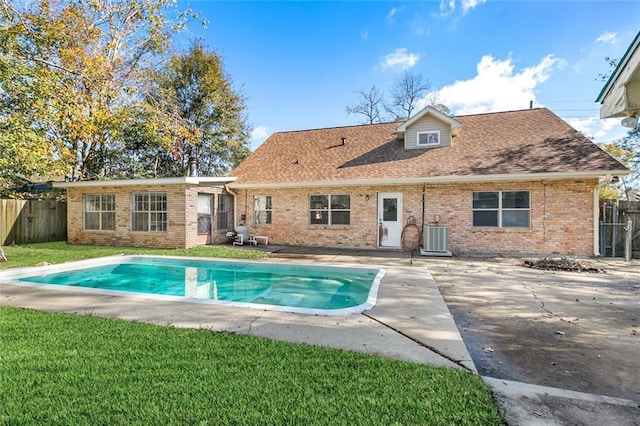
389 219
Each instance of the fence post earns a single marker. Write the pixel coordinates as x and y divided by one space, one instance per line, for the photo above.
627 240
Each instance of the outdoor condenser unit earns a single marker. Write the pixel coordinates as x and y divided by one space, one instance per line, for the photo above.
435 241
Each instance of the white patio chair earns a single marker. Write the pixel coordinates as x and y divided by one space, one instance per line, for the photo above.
2 255
244 237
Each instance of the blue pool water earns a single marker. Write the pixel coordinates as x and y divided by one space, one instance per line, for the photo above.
297 288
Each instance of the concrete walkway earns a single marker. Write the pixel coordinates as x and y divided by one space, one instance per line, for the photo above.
409 322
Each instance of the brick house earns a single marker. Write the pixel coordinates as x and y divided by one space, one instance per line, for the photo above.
517 182
164 213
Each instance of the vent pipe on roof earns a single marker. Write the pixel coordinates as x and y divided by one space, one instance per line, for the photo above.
193 167
344 141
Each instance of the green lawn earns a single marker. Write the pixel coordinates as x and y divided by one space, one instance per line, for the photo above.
75 370
59 252
79 370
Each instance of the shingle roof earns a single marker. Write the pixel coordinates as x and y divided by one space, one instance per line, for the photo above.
516 142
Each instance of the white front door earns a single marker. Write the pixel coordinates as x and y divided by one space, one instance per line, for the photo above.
389 219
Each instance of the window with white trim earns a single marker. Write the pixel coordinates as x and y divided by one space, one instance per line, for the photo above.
100 212
329 209
430 138
204 213
149 212
222 212
502 209
262 210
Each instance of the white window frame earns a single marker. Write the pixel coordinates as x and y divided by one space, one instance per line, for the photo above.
100 211
329 210
154 224
500 210
260 209
205 216
429 138
222 215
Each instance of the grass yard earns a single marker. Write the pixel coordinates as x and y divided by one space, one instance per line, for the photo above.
67 369
83 370
59 252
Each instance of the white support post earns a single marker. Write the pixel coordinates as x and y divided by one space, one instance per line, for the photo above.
627 240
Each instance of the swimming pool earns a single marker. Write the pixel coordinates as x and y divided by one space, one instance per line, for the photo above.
310 289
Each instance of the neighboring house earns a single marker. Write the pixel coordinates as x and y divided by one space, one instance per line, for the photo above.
518 182
620 96
164 213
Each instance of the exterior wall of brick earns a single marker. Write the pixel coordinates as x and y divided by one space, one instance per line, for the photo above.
182 217
561 218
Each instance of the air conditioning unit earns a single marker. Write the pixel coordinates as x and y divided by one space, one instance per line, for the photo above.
435 241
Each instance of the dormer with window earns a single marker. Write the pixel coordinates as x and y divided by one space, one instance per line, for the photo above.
429 128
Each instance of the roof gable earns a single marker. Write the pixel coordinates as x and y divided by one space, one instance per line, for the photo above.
425 112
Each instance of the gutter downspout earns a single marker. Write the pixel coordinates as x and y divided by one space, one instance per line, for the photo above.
235 204
424 202
596 213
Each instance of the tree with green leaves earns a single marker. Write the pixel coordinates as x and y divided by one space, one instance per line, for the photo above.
71 74
622 187
193 104
626 150
630 146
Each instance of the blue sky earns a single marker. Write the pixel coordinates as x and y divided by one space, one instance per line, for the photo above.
299 63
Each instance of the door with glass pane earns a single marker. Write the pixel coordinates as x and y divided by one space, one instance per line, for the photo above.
389 219
204 218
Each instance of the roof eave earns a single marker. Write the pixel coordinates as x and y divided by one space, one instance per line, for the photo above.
616 72
596 174
155 181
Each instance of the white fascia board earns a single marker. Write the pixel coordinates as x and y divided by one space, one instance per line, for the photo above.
620 68
436 180
432 111
142 182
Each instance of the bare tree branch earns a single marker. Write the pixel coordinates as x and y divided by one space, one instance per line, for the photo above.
405 93
369 105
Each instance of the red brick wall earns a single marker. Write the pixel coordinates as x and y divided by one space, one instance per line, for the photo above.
182 217
561 217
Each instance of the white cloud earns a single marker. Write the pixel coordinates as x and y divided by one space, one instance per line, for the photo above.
393 12
447 7
259 134
467 5
607 37
599 130
592 58
497 87
399 59
584 125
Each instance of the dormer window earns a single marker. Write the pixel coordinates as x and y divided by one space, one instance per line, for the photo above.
428 128
431 138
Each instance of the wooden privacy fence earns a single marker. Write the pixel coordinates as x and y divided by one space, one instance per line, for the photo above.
620 229
32 221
